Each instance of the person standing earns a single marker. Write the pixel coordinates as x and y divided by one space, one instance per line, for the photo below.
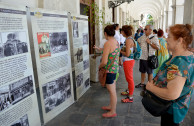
128 63
176 75
110 54
138 34
144 41
117 34
162 53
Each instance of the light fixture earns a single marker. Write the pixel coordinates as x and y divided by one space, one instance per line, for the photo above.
116 3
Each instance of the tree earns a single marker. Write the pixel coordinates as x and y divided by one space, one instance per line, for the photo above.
149 20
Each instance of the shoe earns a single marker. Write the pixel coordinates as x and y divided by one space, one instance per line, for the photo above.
105 108
127 100
125 93
139 85
108 116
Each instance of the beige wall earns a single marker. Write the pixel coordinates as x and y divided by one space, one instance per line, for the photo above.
29 3
72 6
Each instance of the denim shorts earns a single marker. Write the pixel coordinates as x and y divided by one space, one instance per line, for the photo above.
110 77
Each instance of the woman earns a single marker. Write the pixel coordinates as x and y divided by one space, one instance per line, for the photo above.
128 63
176 75
162 53
110 54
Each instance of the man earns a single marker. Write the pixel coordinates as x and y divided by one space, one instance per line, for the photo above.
138 34
148 39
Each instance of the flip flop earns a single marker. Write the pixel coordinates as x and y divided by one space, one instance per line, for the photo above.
108 116
127 100
139 85
105 108
125 92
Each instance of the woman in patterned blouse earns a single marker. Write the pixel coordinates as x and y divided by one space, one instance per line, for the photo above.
175 77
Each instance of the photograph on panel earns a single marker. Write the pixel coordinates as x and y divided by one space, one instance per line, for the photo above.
78 57
87 83
43 44
79 79
85 38
56 92
86 64
58 41
75 30
13 43
23 121
15 92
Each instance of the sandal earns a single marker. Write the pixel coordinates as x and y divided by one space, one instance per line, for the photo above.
105 108
108 116
125 92
127 100
139 85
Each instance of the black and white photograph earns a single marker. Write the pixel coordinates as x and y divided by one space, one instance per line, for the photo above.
15 92
87 83
23 121
58 42
13 43
85 38
86 64
75 30
79 80
56 92
78 57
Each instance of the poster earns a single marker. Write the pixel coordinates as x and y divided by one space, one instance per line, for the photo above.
18 100
53 60
81 54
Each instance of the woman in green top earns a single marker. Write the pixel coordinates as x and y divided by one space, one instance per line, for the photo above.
175 77
110 54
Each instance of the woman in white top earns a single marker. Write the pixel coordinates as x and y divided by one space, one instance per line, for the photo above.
117 34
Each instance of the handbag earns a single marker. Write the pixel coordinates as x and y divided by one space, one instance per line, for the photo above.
155 105
152 60
102 74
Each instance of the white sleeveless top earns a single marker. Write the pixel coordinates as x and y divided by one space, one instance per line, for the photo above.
131 51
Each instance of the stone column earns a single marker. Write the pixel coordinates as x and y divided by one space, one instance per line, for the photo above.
179 14
170 21
116 20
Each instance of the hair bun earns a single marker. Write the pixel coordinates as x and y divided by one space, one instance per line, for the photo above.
189 27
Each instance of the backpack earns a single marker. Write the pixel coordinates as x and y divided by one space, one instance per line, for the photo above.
136 52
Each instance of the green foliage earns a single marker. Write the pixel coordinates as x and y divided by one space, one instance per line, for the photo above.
150 20
97 15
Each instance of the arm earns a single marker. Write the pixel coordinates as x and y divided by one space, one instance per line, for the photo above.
98 48
171 92
155 46
129 44
106 51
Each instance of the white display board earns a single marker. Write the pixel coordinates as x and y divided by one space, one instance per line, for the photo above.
53 60
18 100
80 53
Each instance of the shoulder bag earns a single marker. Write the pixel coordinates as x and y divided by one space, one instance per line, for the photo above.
152 60
155 105
102 74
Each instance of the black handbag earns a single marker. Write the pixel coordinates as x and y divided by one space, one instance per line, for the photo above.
152 60
155 105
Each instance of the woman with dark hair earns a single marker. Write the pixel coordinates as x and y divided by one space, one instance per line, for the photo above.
110 56
128 63
162 53
175 77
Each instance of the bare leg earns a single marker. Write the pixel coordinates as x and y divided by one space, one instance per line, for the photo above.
143 75
150 77
113 97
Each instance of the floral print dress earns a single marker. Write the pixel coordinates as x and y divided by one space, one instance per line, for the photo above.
179 66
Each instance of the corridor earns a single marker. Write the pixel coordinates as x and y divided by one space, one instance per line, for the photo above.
87 110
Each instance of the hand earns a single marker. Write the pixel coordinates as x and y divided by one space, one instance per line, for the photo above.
148 41
95 47
149 85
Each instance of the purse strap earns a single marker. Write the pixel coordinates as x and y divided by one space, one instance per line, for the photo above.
181 97
148 46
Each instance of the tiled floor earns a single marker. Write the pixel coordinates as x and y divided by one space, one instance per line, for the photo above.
87 110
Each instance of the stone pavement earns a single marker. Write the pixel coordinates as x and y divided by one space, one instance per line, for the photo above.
87 110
